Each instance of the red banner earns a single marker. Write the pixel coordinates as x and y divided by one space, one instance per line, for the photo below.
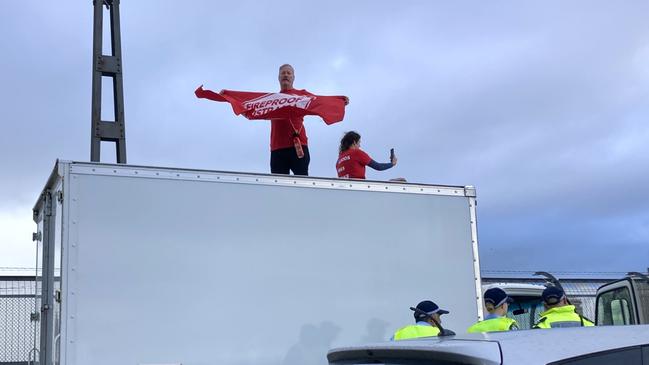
257 105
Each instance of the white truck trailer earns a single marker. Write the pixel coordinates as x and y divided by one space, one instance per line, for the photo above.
193 267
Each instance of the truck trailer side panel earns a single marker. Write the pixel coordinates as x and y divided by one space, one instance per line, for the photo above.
170 266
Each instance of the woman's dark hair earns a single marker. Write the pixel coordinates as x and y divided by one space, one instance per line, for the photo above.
348 140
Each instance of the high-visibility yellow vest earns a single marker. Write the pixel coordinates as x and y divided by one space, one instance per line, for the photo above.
493 325
562 317
415 331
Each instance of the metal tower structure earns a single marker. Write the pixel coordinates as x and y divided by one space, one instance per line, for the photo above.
107 66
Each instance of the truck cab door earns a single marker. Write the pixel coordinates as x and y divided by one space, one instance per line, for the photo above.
616 305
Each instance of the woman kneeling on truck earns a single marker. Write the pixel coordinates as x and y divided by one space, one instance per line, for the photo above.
352 160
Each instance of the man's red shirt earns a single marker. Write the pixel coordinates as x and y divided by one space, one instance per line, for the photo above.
281 130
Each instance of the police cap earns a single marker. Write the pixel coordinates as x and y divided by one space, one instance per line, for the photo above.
430 308
552 295
496 297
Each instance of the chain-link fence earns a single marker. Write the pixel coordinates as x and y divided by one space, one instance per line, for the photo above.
19 325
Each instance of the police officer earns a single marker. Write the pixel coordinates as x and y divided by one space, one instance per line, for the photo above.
496 302
425 325
558 313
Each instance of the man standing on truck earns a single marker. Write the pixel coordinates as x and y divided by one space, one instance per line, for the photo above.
288 140
558 312
285 110
496 302
425 325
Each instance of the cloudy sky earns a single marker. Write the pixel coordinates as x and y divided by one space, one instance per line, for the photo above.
542 106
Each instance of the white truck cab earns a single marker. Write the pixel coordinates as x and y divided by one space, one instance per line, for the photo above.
527 305
623 302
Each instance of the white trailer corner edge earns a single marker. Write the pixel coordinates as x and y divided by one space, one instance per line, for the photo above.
179 266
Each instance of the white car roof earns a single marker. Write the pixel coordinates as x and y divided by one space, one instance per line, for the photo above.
529 347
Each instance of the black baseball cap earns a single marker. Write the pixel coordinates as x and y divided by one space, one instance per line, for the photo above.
496 297
430 308
552 295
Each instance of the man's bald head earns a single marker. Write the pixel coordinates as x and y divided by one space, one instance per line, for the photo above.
285 65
